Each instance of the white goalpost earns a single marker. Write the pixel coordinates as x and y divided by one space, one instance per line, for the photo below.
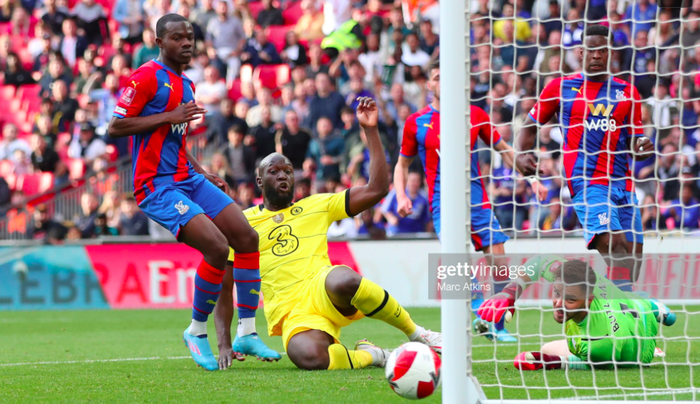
478 371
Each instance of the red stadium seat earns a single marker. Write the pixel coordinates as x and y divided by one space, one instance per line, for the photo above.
255 7
63 139
112 152
76 168
234 92
7 92
6 168
26 58
272 76
33 184
277 35
28 91
292 13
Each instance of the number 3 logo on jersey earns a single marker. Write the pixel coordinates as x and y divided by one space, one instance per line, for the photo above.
287 242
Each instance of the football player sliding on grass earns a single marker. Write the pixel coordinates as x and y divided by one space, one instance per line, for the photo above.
604 326
308 300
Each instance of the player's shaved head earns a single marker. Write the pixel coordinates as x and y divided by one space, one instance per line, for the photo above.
275 178
162 24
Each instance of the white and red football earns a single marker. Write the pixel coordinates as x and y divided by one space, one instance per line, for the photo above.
413 370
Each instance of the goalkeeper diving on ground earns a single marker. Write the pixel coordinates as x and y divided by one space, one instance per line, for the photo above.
604 326
308 300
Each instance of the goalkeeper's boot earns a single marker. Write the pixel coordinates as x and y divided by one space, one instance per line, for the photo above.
533 360
433 339
200 350
483 327
379 355
252 345
663 314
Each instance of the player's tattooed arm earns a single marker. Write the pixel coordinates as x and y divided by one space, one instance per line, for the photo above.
367 196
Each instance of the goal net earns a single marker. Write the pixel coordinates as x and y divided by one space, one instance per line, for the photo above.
514 50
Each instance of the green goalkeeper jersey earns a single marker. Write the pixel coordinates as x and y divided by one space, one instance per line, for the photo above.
620 326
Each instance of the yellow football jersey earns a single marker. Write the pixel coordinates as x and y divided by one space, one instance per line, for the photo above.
293 247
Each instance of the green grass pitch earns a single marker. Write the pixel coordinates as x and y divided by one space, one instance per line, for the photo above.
70 340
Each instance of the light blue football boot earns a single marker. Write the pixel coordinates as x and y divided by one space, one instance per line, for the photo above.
200 350
252 345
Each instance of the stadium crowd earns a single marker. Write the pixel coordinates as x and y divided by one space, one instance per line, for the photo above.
284 76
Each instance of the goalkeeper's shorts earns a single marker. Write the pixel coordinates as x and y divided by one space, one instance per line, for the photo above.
602 209
486 229
315 311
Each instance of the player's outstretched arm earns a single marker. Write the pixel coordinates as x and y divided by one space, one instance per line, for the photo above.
507 153
122 127
367 196
405 206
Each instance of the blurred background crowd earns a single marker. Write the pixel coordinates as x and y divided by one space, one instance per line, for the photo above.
283 76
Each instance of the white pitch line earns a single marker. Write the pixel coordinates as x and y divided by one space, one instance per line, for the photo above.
153 358
653 393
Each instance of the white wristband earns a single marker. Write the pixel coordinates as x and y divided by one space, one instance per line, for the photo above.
531 180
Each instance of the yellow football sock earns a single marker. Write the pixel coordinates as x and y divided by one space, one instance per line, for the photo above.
342 358
375 302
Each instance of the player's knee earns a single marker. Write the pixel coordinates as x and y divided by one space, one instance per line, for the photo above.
312 358
246 240
217 251
343 281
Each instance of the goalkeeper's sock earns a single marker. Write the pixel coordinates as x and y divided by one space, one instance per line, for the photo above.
343 358
375 302
207 287
620 277
246 275
498 285
573 362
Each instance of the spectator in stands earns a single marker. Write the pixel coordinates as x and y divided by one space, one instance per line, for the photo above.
185 11
132 221
265 101
650 215
102 229
327 103
64 106
212 91
86 221
10 143
21 23
87 146
89 77
324 153
53 16
316 64
6 9
220 166
45 159
225 33
685 211
294 54
269 15
203 14
46 127
41 61
42 224
397 99
309 26
668 172
690 33
412 54
246 194
509 197
221 121
417 221
91 19
72 45
14 73
262 136
429 41
335 13
293 142
57 72
36 45
357 90
259 50
21 162
240 157
642 14
131 18
5 196
147 51
663 109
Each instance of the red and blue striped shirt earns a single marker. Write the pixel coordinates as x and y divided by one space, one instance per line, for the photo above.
599 121
159 156
421 135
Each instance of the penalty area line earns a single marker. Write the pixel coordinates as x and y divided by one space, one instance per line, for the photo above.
152 358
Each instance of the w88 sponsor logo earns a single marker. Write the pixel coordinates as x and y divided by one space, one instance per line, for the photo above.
606 124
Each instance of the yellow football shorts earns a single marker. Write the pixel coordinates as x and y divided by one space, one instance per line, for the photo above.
315 311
